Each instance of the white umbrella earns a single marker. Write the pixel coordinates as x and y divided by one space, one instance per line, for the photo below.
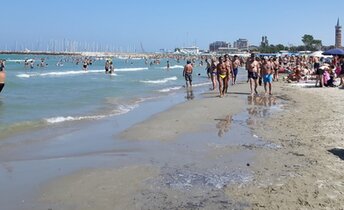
319 54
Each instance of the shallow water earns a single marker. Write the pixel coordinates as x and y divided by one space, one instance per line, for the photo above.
198 165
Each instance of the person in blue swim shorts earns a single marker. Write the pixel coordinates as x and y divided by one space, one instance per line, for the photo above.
267 74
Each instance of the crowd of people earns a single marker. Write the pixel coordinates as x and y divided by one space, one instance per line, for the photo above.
263 70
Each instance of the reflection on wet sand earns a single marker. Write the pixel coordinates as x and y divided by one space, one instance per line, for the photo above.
261 100
223 125
189 94
258 107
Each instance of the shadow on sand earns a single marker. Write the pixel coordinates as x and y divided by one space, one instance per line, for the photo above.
338 152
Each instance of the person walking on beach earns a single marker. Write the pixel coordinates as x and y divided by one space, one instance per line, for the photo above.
236 64
276 66
229 65
2 75
213 72
222 76
319 72
208 68
187 74
267 69
252 67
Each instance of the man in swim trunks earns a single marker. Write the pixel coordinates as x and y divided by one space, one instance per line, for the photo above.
222 76
2 75
253 69
187 73
236 64
267 72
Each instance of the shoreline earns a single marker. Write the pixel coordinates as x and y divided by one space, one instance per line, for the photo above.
285 171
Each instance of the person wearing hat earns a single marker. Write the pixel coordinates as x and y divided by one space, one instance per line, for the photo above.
2 75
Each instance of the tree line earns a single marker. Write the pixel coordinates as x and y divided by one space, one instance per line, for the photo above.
309 44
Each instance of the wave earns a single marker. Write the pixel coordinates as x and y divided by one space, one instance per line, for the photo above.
160 81
174 67
131 69
14 60
121 109
59 73
201 84
166 90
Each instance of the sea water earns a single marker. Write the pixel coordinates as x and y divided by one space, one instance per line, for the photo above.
62 91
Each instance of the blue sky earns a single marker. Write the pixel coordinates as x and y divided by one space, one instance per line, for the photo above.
168 24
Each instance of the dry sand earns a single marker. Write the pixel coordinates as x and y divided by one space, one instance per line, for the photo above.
300 174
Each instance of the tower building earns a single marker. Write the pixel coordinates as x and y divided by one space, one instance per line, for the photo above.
338 37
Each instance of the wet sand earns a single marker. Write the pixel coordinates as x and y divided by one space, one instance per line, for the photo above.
237 152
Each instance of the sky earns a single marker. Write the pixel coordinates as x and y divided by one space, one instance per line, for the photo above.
166 24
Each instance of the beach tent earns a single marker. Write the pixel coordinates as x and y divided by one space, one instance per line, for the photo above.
335 51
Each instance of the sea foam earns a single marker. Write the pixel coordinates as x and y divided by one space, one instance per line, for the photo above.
160 81
121 109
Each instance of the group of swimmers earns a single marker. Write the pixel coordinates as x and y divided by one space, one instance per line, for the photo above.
109 68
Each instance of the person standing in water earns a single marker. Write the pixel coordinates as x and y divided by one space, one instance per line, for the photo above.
168 65
2 75
107 66
111 68
187 74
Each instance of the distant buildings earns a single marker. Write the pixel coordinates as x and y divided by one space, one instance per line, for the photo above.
264 42
338 35
241 44
215 46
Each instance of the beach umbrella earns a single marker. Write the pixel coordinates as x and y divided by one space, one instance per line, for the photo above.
335 51
317 54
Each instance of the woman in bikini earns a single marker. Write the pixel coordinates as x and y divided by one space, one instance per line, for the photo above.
222 76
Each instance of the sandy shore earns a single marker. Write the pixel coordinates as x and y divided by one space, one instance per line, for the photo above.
300 172
304 173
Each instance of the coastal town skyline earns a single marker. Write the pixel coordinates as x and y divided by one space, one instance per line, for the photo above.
153 25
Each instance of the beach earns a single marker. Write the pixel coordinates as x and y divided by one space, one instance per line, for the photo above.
140 140
294 160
